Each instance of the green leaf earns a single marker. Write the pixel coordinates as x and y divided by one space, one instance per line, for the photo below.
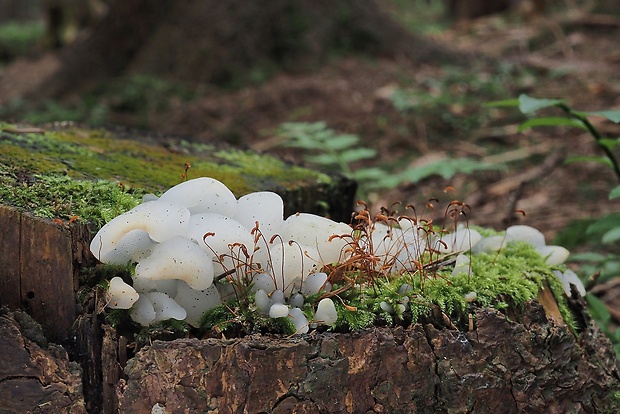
589 158
446 169
341 142
529 105
551 121
612 114
614 193
611 236
588 257
608 143
604 223
502 103
598 309
357 154
370 174
322 159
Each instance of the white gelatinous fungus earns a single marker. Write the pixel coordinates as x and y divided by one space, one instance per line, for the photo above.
165 307
568 278
313 283
290 261
278 310
142 311
326 313
316 232
299 321
525 233
122 295
202 195
161 220
264 207
178 258
226 240
132 247
554 255
196 302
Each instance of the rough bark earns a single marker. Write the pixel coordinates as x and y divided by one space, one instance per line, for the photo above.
503 366
35 376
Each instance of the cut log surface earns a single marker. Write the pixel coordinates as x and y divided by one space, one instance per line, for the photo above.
501 367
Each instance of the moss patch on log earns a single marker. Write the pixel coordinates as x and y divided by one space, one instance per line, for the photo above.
72 170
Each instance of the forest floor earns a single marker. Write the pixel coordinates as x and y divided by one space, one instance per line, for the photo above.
576 58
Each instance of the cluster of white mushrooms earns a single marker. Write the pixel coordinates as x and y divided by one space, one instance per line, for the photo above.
198 230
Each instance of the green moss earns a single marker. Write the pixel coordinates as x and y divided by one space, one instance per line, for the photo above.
36 167
507 279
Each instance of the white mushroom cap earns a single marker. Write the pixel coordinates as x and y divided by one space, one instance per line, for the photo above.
554 255
178 258
292 261
202 195
462 239
132 247
299 320
161 220
278 310
122 295
326 313
165 307
315 231
225 232
525 233
196 302
265 207
142 311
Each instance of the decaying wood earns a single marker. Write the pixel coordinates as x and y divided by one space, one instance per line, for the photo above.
39 268
35 377
504 366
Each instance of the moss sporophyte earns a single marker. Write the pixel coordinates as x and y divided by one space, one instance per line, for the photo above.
237 266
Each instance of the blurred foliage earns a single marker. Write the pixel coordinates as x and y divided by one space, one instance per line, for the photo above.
344 153
600 236
18 39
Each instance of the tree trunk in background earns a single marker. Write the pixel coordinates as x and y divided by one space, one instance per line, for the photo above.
230 42
20 10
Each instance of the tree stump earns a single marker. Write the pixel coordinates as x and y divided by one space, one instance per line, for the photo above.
503 366
528 362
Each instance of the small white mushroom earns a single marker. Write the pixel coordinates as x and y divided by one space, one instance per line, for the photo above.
292 261
142 311
224 239
313 283
122 295
554 255
165 307
326 313
569 278
525 233
462 265
299 320
196 302
262 301
278 310
132 247
316 232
